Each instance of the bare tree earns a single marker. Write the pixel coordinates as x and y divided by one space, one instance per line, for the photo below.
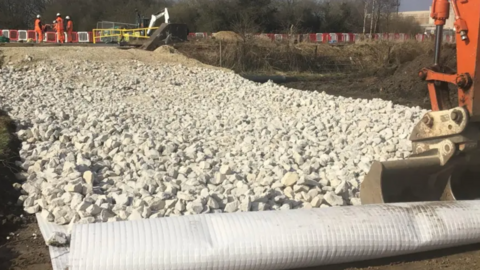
306 16
17 14
372 17
244 24
365 14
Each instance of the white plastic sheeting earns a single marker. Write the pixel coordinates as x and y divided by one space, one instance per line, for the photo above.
274 239
59 255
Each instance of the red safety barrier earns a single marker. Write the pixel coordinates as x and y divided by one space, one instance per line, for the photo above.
87 37
332 37
51 37
31 34
74 37
13 35
320 37
420 37
351 37
98 39
6 33
325 37
339 38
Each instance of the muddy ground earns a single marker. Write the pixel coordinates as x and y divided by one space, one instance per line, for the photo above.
21 244
25 248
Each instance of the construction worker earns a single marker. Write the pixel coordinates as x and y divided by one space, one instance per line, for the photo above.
60 29
38 29
69 29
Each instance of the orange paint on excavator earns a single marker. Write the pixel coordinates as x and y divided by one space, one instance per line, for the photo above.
445 163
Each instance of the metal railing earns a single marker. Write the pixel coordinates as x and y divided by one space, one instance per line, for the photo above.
115 25
116 35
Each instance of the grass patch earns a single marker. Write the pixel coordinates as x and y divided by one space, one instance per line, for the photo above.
254 55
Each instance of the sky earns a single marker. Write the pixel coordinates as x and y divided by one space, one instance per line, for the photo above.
415 5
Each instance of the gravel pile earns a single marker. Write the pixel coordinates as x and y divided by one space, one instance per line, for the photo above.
108 143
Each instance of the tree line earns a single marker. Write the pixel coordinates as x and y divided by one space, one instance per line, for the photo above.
261 16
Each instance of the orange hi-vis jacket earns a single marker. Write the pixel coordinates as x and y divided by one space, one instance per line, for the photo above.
38 25
60 27
69 26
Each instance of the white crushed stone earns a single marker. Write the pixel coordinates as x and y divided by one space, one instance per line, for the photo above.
57 239
105 143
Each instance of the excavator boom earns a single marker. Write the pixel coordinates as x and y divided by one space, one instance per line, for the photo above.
155 17
446 154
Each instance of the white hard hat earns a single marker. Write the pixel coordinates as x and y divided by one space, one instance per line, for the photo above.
38 16
68 17
58 14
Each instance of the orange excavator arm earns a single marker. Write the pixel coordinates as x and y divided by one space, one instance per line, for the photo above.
445 164
467 47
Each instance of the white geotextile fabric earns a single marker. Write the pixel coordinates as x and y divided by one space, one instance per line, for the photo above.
274 239
59 255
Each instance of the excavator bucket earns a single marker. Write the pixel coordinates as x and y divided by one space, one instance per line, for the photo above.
443 167
411 180
165 33
421 178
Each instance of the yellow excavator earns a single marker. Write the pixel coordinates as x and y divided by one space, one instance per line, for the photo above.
445 165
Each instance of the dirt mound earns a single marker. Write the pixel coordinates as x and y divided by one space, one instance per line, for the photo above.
262 39
397 81
227 36
404 85
166 49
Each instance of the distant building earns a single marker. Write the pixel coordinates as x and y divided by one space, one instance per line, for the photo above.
424 19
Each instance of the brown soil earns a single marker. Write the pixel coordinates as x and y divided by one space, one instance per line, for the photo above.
227 36
25 248
398 83
21 244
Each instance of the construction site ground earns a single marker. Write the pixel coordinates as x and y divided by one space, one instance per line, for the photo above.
21 244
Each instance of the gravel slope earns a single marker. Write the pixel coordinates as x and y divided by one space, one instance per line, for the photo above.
133 140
